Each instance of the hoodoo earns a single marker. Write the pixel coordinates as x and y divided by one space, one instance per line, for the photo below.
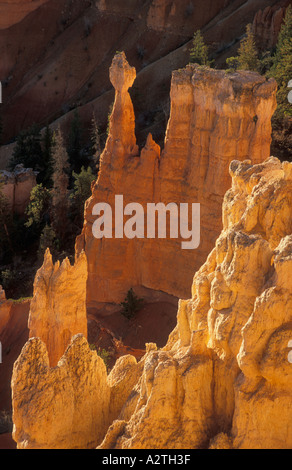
224 377
215 117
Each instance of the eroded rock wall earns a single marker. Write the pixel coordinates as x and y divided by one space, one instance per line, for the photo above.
215 117
58 307
70 400
71 405
13 11
224 378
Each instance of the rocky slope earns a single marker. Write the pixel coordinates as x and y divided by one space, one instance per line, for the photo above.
214 118
14 11
223 379
62 61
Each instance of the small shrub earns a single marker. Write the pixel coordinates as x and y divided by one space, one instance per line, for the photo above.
105 356
131 305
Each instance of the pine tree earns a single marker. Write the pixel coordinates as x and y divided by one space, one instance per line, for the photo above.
28 150
282 66
199 51
95 139
38 207
80 194
76 157
47 147
247 54
60 194
49 240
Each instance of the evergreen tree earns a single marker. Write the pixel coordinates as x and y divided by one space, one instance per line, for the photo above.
199 52
247 58
248 54
39 207
95 139
76 156
47 147
49 240
60 194
81 192
28 150
281 69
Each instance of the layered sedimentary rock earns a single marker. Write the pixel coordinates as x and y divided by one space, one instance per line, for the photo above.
58 308
215 117
224 378
69 401
69 406
266 26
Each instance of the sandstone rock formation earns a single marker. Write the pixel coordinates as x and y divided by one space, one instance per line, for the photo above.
17 186
224 378
215 117
74 403
70 400
58 308
224 374
266 26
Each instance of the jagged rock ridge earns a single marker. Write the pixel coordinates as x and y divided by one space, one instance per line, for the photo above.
58 307
223 379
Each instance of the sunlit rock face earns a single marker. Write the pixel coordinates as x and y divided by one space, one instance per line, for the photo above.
60 407
224 378
71 405
215 117
58 308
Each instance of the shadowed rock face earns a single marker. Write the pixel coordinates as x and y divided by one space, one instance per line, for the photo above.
13 11
223 380
215 117
50 62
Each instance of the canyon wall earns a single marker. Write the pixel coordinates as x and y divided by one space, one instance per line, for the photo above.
215 117
50 62
266 26
222 381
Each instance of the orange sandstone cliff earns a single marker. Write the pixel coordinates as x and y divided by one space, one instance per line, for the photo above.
224 378
215 117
